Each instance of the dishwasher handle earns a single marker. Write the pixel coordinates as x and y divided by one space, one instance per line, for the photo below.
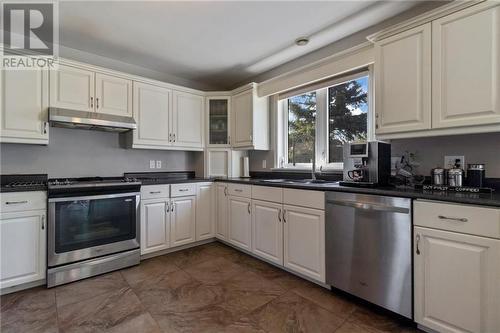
370 206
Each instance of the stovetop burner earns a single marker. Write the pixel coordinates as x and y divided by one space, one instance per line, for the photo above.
61 183
25 184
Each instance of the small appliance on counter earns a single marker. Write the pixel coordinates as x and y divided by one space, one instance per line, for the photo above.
475 175
453 180
367 164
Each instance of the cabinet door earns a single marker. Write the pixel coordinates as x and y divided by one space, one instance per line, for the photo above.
22 247
23 106
466 67
403 81
218 162
152 106
456 280
304 241
183 219
155 225
218 121
113 95
187 120
241 112
205 211
240 222
267 231
72 88
222 211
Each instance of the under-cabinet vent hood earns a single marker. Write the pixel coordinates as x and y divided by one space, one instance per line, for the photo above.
90 120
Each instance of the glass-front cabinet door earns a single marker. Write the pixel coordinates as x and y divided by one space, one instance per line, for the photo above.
218 121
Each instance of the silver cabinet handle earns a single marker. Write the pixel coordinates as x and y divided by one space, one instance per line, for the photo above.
279 215
225 191
249 207
229 139
16 202
173 205
238 190
183 190
91 102
170 137
458 219
369 206
418 243
154 192
167 208
97 103
284 215
174 137
43 222
44 127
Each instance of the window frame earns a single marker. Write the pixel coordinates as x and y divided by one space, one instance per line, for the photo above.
322 128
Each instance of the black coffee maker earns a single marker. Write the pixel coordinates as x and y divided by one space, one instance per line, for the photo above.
367 164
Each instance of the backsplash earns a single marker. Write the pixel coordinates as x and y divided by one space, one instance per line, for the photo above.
80 153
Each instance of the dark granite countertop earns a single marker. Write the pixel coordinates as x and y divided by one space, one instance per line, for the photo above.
483 199
173 181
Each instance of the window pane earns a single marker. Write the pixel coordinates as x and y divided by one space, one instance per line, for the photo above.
301 127
347 115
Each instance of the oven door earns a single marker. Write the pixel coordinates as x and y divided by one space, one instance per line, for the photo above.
91 226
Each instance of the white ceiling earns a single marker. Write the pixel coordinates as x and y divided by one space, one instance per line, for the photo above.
218 43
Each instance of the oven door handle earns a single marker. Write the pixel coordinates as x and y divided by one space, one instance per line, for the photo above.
94 197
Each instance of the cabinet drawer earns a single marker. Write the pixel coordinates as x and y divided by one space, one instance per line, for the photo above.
155 191
304 198
267 193
182 190
22 201
474 220
240 190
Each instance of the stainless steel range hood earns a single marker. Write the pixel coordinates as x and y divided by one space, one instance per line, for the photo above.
90 120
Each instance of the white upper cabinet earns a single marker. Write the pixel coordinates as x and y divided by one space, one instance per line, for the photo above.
403 81
240 222
72 88
457 281
218 121
23 106
182 220
113 95
85 90
250 120
152 105
187 120
466 67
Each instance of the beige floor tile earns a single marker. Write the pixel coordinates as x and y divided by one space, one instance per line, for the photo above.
214 271
148 269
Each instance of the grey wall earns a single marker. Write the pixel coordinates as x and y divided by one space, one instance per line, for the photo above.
477 148
80 153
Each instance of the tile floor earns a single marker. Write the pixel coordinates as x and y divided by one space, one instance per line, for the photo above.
210 288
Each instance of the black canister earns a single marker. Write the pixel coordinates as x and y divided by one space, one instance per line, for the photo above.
475 175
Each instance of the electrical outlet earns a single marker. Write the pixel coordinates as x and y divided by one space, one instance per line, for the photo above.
152 164
450 161
264 164
158 164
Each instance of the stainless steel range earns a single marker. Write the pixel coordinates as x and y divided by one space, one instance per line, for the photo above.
93 227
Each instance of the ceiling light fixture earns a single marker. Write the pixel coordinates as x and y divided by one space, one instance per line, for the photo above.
301 41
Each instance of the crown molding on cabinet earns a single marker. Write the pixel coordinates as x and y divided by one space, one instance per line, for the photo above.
429 16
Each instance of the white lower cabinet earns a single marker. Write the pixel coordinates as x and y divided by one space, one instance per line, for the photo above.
183 215
221 211
23 251
267 230
240 222
304 241
457 281
205 211
155 226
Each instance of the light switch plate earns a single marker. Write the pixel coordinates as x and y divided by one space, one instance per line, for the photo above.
158 164
449 161
152 164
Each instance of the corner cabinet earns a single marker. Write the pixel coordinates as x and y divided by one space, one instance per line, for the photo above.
205 211
218 121
221 211
24 98
403 81
250 119
466 67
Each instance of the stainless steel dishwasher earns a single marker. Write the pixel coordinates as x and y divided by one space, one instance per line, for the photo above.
368 248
